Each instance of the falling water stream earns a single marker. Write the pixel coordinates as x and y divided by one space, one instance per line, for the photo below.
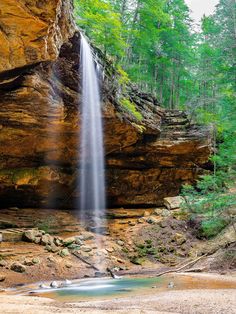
92 181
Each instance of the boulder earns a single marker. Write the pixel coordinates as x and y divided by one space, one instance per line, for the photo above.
36 260
47 239
32 235
54 285
69 241
65 252
18 267
173 202
52 248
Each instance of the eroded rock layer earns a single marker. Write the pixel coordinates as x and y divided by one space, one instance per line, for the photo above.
40 90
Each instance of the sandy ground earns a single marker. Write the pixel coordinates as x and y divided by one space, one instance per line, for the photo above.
193 301
184 302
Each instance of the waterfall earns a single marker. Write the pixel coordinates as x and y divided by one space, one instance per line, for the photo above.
92 181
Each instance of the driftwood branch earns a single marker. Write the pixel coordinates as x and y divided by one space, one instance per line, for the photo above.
84 260
182 267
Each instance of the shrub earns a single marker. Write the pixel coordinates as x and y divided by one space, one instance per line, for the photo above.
211 227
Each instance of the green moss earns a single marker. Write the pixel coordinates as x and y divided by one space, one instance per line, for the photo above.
23 174
18 176
144 249
130 107
141 128
46 224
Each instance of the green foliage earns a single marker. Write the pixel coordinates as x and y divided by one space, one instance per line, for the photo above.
130 107
210 198
101 24
154 46
213 226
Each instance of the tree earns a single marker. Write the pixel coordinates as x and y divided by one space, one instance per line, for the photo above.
102 25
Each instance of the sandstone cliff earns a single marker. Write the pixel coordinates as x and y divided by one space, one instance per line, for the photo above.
40 120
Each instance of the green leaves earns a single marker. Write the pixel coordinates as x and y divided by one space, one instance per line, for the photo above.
101 24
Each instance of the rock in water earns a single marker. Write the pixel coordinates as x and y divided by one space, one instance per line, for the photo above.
43 286
54 284
67 282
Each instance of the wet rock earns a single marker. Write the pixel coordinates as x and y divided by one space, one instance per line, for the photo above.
67 282
18 267
54 285
173 202
65 252
69 241
43 286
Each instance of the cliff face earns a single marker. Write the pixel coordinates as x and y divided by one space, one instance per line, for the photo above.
40 120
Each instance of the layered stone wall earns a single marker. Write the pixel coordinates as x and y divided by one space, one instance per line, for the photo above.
40 91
